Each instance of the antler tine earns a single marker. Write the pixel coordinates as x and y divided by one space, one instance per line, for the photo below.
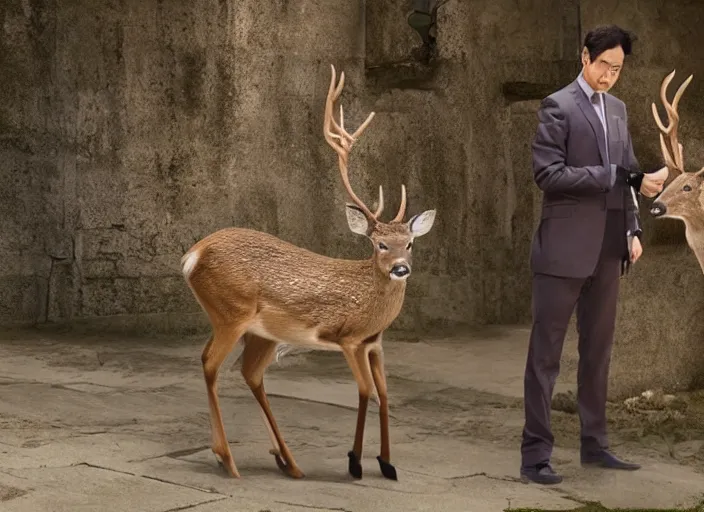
674 154
341 141
680 92
663 97
402 207
380 207
675 103
667 154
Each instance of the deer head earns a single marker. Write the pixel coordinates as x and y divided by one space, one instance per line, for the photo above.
392 241
683 197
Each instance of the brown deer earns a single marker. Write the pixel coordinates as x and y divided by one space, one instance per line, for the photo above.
683 197
265 292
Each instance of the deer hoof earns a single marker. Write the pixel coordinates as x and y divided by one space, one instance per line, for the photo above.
291 470
228 464
387 469
354 467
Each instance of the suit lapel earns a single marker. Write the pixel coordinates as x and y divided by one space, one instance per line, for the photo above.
588 111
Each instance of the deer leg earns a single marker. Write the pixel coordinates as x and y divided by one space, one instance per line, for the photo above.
214 354
358 362
258 354
376 360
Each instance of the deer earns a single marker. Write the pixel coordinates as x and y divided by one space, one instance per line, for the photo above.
683 197
264 293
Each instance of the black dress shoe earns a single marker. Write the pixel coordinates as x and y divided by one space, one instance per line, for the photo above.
606 459
540 474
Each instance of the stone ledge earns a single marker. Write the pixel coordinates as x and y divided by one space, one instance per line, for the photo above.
173 323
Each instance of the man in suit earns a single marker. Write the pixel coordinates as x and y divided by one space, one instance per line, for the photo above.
589 233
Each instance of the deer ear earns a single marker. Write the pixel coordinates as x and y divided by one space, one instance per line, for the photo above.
420 224
356 219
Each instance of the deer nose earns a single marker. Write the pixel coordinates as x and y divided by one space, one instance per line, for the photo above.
400 271
658 209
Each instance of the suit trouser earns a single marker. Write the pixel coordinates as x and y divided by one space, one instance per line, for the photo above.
554 300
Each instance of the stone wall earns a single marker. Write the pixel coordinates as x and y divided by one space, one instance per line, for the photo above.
131 130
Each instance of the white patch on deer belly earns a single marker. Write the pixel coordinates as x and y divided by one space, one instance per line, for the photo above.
188 263
292 334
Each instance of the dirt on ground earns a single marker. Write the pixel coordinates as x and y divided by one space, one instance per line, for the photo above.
669 425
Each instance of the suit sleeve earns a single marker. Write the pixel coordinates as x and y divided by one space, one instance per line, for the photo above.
549 149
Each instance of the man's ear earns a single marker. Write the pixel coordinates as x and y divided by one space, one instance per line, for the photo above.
356 219
420 224
585 56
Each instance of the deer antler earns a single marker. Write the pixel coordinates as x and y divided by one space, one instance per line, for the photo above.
402 207
341 141
671 149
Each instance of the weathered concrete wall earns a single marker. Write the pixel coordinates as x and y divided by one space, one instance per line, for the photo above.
131 130
147 125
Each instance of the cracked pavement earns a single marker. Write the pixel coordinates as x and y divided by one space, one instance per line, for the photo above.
93 423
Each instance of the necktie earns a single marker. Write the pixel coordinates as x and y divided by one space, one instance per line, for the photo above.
598 99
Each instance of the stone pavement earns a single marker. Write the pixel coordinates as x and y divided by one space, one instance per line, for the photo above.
115 424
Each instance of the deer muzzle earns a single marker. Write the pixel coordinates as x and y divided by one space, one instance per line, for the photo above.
400 270
658 209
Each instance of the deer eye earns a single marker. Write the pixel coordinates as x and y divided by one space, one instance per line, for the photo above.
382 246
687 188
408 247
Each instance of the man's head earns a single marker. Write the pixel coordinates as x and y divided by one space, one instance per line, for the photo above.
605 49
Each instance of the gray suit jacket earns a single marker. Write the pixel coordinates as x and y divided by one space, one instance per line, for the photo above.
570 167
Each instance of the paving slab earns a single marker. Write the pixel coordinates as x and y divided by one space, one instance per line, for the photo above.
88 489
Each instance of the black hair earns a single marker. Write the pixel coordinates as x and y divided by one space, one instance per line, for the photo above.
606 37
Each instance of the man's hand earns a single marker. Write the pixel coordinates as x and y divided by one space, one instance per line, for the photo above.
653 182
636 249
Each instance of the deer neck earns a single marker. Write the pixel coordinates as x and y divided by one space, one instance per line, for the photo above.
694 232
381 283
385 296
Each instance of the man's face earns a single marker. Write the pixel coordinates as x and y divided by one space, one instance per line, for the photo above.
602 73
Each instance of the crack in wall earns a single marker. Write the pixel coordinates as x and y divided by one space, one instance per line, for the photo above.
47 299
